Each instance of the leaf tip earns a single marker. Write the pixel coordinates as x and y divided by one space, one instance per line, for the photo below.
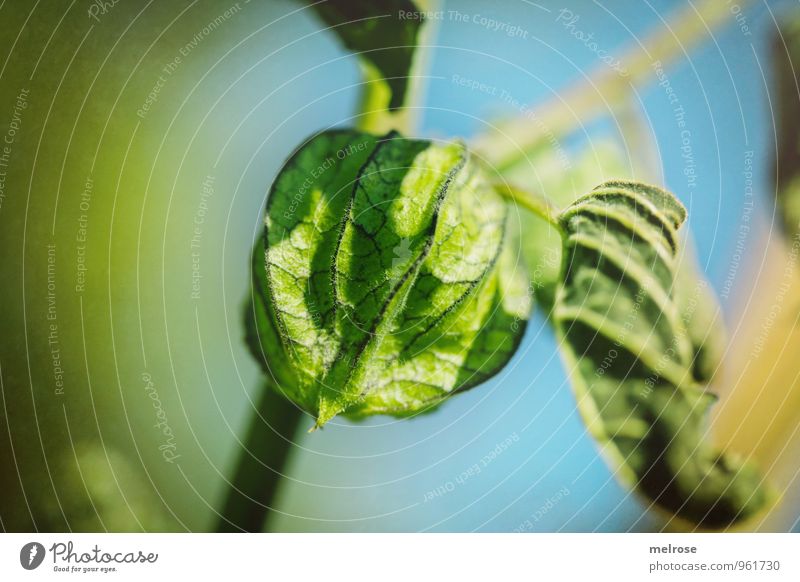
327 410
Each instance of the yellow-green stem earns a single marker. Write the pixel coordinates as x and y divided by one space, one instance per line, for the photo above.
536 203
603 89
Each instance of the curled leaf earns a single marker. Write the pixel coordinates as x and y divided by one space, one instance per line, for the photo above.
639 375
388 278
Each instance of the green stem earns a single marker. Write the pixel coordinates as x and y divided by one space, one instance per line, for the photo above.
260 466
536 203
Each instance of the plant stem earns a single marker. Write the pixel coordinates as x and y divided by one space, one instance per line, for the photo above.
536 203
260 466
604 88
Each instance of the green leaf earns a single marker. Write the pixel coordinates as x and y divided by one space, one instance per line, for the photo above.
379 33
624 323
261 333
388 281
700 316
